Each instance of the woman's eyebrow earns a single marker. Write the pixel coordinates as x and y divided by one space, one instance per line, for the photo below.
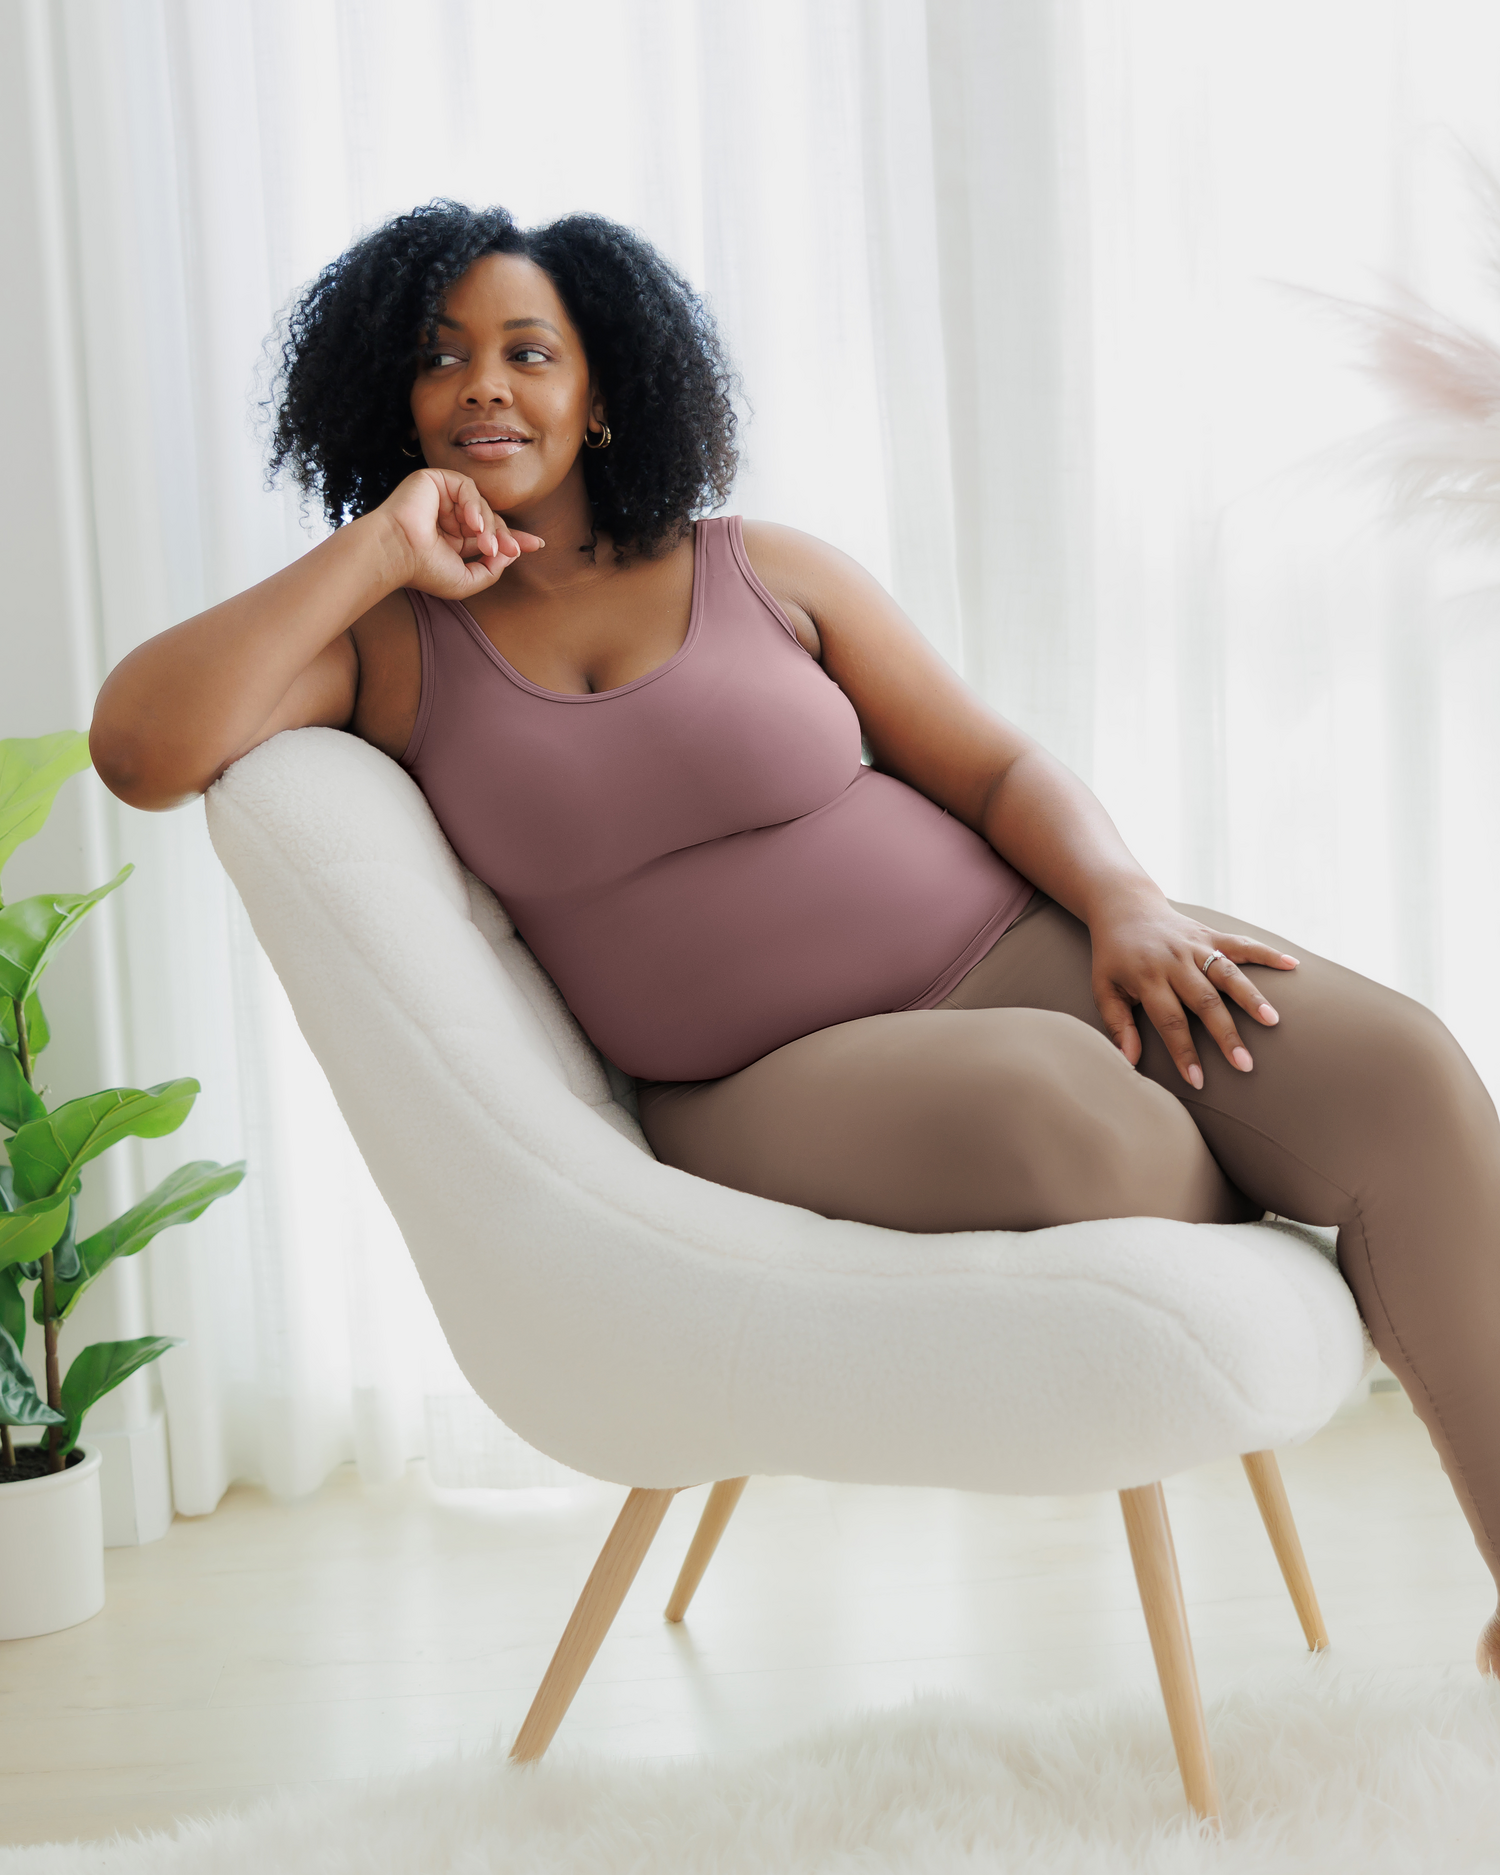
512 325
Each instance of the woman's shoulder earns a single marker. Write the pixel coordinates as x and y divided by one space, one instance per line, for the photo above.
821 580
776 541
796 555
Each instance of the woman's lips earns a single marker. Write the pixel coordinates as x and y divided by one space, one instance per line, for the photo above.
494 448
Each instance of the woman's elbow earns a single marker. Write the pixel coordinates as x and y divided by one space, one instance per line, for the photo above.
130 768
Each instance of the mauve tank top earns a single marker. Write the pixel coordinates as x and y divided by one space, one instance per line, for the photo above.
698 859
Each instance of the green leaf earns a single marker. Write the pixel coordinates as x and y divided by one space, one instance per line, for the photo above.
12 1306
37 1032
45 1154
18 1102
100 1369
32 769
32 929
29 1231
66 1261
178 1199
20 1404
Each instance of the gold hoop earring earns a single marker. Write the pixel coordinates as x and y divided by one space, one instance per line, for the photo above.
415 454
603 442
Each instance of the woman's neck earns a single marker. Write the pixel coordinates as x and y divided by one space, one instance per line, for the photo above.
575 555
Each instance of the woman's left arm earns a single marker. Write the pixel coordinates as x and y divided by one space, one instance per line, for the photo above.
925 726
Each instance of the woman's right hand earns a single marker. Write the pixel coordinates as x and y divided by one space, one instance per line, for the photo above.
455 544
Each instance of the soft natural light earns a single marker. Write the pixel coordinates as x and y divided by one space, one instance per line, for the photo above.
1047 354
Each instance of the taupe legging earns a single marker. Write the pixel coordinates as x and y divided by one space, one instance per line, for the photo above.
1008 1107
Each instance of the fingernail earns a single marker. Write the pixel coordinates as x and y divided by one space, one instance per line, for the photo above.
1241 1059
1268 1014
1195 1075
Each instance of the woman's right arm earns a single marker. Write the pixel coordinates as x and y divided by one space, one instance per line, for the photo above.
180 708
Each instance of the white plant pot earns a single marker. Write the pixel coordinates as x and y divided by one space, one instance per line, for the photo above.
51 1550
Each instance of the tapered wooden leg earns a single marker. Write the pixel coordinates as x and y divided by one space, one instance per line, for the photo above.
1160 1585
716 1513
1276 1514
622 1555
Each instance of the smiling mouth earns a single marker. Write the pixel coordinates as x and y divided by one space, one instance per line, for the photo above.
493 446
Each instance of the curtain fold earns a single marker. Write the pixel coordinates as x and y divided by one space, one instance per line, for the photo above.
1011 285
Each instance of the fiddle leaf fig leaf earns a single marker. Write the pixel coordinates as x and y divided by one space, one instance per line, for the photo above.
12 1306
178 1199
26 1269
32 929
66 1262
37 1032
30 1230
100 1369
32 769
20 1404
45 1154
18 1102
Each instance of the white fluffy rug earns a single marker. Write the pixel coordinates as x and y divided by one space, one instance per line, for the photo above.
1324 1771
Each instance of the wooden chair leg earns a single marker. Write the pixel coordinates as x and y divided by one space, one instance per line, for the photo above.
1160 1585
623 1553
1276 1514
716 1514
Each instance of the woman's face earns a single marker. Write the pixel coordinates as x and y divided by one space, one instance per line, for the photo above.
502 392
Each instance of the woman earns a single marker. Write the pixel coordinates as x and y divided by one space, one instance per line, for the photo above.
902 993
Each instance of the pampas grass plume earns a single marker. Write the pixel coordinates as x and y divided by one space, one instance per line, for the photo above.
1441 457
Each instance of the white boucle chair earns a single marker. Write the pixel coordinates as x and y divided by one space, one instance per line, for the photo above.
650 1328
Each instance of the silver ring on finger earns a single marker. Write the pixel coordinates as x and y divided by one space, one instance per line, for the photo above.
1211 959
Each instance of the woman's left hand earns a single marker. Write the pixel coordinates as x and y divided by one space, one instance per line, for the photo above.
1147 953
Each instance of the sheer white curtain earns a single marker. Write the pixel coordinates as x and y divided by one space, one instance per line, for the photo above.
1010 283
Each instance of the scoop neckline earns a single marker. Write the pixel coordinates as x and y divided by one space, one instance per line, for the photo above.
695 615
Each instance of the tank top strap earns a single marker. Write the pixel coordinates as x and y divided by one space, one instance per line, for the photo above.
423 605
726 537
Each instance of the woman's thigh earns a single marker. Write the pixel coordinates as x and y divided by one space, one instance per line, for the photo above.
1356 1091
946 1119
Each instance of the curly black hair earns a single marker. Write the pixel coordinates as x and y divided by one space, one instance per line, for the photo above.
346 354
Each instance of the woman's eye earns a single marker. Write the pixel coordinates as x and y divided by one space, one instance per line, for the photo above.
442 358
530 354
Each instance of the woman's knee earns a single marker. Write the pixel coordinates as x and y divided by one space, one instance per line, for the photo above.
1361 1099
1433 1098
1397 1071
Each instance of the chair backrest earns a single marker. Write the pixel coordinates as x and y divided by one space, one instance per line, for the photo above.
650 1327
551 1242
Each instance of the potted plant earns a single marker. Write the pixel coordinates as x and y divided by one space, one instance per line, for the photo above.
51 1528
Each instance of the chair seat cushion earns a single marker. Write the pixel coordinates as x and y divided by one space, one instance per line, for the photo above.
646 1326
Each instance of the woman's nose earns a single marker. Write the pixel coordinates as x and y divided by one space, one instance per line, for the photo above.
488 387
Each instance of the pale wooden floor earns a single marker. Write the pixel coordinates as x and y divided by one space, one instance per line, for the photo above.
365 1632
